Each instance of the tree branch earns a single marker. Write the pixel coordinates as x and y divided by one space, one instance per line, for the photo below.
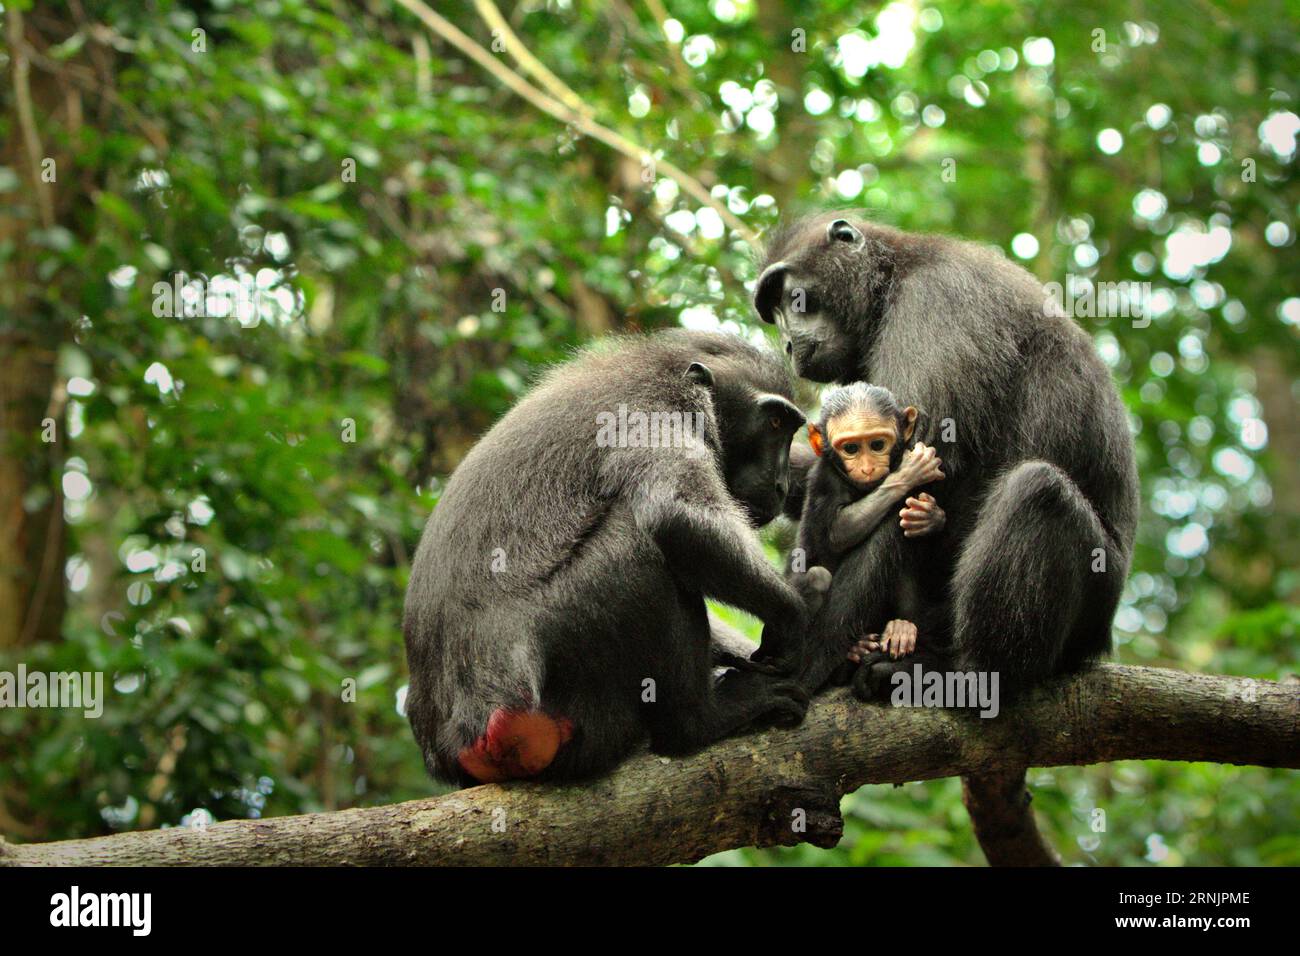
580 121
26 118
524 57
998 804
748 791
660 13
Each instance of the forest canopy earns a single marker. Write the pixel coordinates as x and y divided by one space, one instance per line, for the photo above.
268 269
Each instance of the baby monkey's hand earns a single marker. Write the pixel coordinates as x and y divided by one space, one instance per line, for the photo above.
920 466
899 640
920 516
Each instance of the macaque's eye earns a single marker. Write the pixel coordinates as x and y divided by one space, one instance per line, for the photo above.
775 422
850 448
878 445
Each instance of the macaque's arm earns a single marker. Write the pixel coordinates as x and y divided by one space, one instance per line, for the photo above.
856 521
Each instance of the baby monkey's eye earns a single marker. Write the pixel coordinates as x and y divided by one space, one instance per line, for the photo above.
775 422
878 445
850 448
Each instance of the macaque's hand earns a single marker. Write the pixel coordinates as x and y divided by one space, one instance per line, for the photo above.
920 516
899 640
919 466
781 650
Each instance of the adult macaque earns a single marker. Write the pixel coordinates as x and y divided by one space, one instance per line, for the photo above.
1041 484
555 617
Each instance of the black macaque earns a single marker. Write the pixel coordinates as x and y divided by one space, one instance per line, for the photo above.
862 471
1041 484
555 617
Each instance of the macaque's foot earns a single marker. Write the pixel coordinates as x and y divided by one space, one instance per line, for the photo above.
874 679
775 703
724 659
921 516
812 586
899 640
788 705
864 646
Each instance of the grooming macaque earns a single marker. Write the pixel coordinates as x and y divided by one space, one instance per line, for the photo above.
864 468
556 618
1040 480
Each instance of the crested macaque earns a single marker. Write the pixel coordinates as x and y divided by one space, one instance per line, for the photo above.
863 469
556 617
1040 484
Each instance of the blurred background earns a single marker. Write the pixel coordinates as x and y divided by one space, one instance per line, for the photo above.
271 267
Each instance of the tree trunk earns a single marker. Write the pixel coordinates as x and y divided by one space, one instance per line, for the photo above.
31 500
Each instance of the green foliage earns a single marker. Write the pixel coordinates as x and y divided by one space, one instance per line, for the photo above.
479 240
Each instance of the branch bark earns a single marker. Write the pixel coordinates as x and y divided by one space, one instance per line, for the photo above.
749 791
998 804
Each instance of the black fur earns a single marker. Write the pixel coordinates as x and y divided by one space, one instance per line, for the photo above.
608 555
1041 470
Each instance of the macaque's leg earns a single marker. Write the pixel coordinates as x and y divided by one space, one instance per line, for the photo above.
728 642
733 649
858 652
1025 578
690 715
874 679
730 648
812 586
864 590
921 516
724 560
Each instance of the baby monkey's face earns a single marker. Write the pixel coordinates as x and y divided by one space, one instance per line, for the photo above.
864 442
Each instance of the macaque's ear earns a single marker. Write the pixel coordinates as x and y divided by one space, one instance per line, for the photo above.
781 408
910 414
700 374
815 439
841 230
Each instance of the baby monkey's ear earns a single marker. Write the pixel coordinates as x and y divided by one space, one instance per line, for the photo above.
816 439
909 413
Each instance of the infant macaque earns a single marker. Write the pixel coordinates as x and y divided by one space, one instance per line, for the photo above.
862 472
